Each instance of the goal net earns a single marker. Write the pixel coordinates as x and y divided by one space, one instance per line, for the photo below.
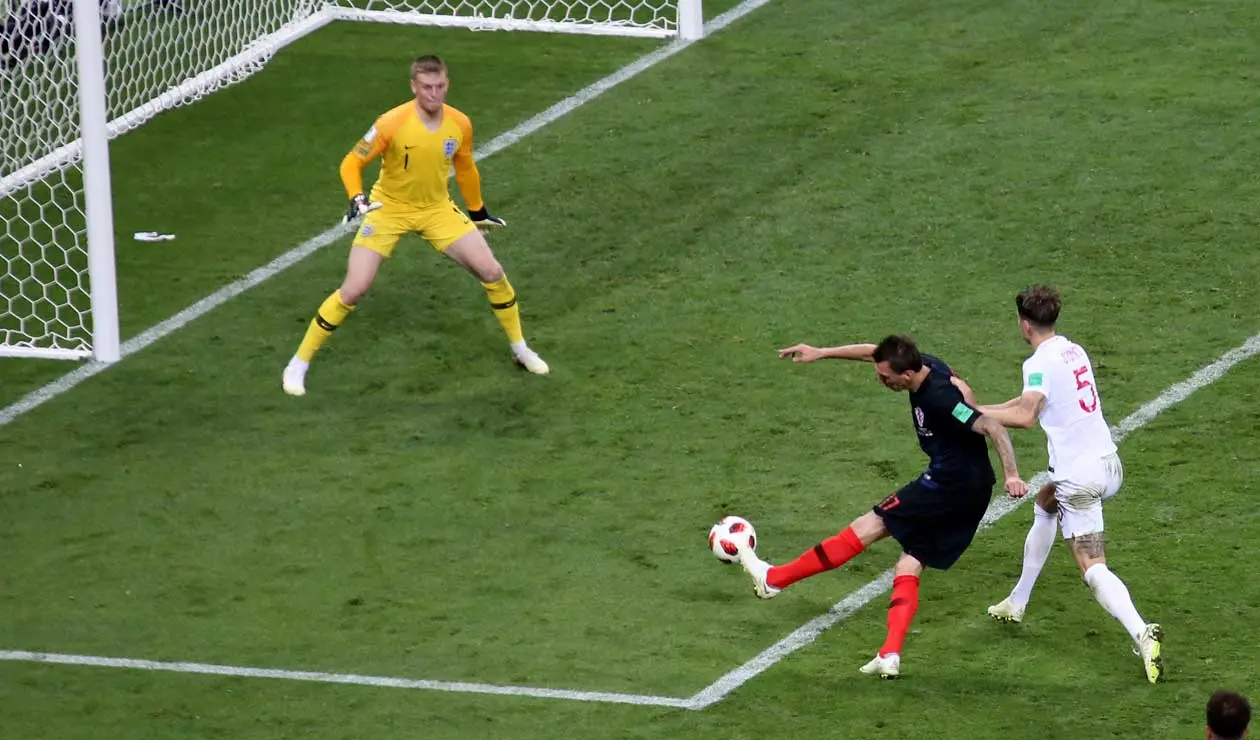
651 18
67 85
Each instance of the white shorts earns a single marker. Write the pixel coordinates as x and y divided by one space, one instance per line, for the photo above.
1082 493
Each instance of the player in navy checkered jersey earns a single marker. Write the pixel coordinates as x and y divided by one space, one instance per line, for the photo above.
935 516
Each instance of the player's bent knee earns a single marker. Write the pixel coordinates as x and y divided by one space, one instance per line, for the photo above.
352 291
1089 550
1087 563
473 252
908 565
491 273
869 528
361 271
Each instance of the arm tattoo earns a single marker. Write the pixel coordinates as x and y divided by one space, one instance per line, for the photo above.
1002 442
1090 545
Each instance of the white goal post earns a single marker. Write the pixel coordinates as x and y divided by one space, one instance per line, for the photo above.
76 73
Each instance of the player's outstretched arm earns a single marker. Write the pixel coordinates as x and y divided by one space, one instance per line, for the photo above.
806 353
990 408
1001 439
1020 413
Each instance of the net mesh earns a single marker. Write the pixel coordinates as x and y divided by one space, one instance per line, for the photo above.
160 54
157 55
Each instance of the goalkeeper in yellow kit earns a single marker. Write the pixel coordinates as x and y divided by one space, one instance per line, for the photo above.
419 142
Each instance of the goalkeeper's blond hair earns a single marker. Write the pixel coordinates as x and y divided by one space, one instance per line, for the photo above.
427 64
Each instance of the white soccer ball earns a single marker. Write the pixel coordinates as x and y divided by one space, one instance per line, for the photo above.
729 535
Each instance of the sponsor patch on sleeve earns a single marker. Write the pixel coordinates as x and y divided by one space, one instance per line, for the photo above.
963 412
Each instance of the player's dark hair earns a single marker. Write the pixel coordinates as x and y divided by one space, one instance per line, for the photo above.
1228 715
900 353
1039 305
427 64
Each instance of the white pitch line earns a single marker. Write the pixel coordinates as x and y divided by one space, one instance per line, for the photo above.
341 678
281 263
1000 507
725 685
159 331
713 693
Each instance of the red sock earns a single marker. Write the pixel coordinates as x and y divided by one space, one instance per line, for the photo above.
901 608
832 552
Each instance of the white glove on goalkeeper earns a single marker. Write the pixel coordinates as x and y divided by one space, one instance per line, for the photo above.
359 206
482 219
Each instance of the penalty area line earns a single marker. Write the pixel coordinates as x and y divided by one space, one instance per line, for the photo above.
176 322
342 678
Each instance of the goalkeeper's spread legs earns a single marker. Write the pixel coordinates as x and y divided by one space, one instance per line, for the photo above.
471 251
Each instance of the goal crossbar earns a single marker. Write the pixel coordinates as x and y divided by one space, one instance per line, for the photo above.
489 23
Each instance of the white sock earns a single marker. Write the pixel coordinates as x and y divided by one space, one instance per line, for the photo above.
519 347
1036 549
297 365
1114 597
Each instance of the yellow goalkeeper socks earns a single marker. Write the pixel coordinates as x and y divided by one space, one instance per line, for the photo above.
503 303
330 315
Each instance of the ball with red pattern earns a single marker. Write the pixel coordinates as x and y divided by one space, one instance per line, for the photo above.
729 535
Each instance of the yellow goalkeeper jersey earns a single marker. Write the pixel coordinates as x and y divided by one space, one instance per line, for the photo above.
415 161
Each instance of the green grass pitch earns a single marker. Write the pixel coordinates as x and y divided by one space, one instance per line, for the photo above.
819 171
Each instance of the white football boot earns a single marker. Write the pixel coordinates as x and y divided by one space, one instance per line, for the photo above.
1007 612
294 378
758 569
885 666
529 359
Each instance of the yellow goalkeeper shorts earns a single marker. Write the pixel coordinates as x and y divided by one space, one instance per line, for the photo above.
439 225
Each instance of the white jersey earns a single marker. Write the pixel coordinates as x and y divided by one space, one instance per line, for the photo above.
1077 435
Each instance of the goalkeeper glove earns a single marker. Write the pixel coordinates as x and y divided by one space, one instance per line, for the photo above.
482 219
358 207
